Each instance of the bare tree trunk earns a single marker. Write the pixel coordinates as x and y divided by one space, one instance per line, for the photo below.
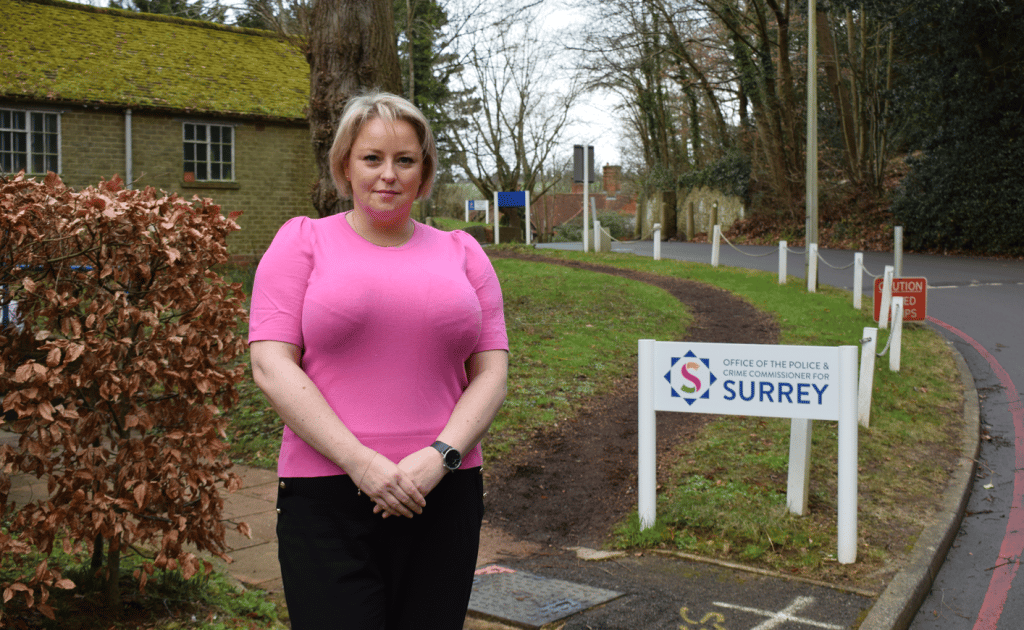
351 48
410 92
112 591
829 60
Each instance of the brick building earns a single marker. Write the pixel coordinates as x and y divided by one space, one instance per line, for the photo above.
180 105
552 210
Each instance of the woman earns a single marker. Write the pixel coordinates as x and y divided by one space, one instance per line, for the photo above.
381 343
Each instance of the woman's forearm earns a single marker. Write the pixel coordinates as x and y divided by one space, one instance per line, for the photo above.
480 402
302 407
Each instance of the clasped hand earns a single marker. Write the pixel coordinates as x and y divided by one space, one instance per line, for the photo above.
401 489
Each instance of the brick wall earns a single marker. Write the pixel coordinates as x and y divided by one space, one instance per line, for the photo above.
553 210
274 167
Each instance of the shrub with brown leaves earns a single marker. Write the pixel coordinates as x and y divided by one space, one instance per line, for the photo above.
114 377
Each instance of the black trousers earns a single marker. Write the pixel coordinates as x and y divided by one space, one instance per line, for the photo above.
345 568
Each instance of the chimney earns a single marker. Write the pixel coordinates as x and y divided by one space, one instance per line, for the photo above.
612 179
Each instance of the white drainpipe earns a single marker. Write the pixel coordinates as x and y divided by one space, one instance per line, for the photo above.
128 177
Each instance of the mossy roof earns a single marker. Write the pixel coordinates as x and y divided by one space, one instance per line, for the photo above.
63 52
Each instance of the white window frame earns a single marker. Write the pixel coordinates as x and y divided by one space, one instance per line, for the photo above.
32 150
205 150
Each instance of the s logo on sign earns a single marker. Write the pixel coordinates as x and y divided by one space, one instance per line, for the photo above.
690 378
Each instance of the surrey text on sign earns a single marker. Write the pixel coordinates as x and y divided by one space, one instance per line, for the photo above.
748 379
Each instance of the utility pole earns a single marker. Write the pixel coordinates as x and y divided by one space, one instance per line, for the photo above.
811 183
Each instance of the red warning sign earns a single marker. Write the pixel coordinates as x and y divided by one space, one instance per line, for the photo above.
914 292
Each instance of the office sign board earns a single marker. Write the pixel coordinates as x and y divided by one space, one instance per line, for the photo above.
747 379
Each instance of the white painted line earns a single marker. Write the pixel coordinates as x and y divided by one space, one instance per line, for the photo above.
775 619
974 285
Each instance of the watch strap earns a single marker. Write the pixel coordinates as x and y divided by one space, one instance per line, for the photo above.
450 457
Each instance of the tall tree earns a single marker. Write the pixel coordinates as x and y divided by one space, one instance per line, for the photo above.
859 77
512 125
625 53
428 64
351 47
759 38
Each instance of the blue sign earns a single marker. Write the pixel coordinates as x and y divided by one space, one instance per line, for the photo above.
512 199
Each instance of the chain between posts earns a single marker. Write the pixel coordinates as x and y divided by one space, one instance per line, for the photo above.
888 340
796 251
743 252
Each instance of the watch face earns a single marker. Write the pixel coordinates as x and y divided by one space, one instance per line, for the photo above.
452 459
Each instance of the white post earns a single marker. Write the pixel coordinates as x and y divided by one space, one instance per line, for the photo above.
883 311
799 481
586 195
896 334
468 203
529 230
858 279
496 218
811 152
715 246
597 236
657 241
129 176
647 465
812 267
782 262
847 490
868 347
897 249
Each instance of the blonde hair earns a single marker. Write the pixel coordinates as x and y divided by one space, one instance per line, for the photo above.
389 108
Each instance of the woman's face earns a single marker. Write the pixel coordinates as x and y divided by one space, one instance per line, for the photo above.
385 168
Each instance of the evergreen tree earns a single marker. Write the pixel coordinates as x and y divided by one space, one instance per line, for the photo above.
961 92
427 66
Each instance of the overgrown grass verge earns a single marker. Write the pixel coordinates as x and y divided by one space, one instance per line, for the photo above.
569 338
725 493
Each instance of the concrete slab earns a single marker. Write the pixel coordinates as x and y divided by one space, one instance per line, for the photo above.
255 476
262 526
238 506
249 565
26 489
263 492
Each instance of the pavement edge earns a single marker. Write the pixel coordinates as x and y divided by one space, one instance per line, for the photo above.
896 607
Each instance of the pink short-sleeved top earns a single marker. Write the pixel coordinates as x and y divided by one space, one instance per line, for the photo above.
385 331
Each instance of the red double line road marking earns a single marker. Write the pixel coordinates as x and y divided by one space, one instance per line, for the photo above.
1013 542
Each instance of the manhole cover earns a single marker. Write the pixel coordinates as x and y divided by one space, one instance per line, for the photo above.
531 600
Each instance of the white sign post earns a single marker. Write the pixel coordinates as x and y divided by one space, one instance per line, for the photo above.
517 199
478 204
796 382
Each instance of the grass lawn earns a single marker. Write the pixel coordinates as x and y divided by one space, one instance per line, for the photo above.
725 495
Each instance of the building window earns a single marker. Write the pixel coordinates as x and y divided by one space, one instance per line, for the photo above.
29 141
209 152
